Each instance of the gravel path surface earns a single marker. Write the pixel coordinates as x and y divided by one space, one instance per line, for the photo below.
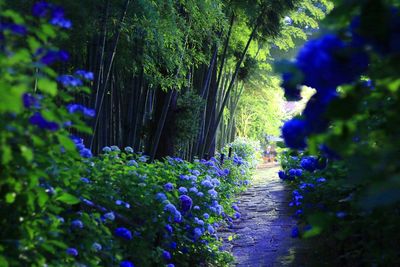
261 237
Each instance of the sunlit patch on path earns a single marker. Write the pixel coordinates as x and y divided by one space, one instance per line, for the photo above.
261 237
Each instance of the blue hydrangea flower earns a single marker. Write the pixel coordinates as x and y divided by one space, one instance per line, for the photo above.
292 172
321 180
52 56
206 216
213 193
196 207
106 149
132 162
85 180
96 246
309 163
169 228
198 221
87 75
74 108
123 233
197 232
77 224
195 172
126 264
341 214
207 183
41 9
173 245
86 153
110 216
38 120
186 203
115 148
182 190
282 175
143 158
294 133
128 149
166 255
237 215
193 190
328 62
72 251
169 187
210 229
216 182
61 22
200 194
30 101
161 197
295 232
170 208
87 202
170 265
69 81
299 172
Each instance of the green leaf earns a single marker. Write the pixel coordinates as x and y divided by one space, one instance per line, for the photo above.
11 97
47 86
6 156
42 198
3 262
66 142
26 153
68 198
17 18
10 197
314 231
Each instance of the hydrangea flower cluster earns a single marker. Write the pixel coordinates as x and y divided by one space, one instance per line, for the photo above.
323 64
54 13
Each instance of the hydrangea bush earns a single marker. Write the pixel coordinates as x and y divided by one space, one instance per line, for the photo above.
343 165
60 205
246 149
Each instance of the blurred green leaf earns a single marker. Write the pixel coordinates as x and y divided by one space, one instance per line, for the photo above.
68 198
47 86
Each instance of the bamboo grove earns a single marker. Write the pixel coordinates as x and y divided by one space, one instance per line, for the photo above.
169 75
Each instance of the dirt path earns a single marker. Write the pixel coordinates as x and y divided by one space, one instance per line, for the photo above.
261 237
